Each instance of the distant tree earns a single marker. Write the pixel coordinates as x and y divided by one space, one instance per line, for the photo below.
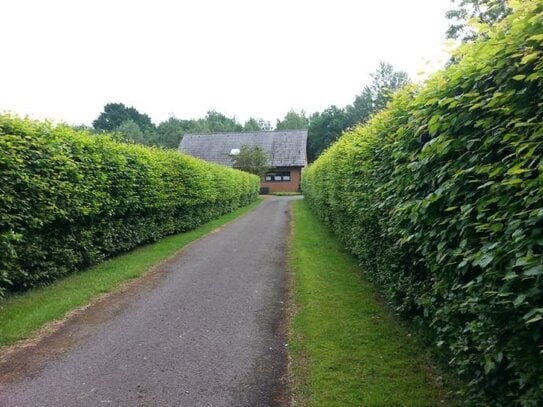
130 130
385 82
252 159
482 11
170 132
215 122
324 129
362 108
293 121
115 114
82 127
253 124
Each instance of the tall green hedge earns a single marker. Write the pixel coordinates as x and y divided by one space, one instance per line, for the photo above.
69 199
441 198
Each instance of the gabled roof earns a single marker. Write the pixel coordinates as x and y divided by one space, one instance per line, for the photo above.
285 148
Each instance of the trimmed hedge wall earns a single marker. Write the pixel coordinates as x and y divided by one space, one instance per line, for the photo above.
69 199
441 198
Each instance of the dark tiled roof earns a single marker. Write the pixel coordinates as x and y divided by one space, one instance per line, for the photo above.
285 148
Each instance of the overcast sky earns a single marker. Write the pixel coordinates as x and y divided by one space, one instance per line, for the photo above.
65 59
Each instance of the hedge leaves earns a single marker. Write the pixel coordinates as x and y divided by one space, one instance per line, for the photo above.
69 199
441 198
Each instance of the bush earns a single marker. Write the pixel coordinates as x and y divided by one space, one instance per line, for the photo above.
441 198
69 199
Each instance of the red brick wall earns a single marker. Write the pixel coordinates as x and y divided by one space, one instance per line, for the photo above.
285 186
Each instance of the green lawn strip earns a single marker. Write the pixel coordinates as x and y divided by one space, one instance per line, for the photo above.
22 314
347 347
285 193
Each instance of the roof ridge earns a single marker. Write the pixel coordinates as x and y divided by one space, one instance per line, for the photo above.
285 147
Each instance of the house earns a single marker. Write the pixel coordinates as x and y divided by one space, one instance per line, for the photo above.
286 151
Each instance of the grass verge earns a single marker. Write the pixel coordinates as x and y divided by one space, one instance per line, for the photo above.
346 347
22 314
285 193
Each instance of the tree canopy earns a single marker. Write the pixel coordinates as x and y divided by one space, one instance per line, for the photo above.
130 130
115 114
326 127
323 127
252 159
482 11
253 124
170 132
293 121
137 127
385 81
214 122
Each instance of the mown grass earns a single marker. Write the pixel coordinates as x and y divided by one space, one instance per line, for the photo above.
347 348
285 193
22 314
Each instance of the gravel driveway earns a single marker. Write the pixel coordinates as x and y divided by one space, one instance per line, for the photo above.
205 331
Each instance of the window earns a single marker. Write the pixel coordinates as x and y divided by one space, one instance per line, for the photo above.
281 176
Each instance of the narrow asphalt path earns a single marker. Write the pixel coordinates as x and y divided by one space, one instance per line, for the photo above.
207 332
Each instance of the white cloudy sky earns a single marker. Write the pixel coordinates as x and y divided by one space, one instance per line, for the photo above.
65 59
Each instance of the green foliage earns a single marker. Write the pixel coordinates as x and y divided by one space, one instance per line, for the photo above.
293 121
253 124
170 132
323 128
69 199
480 11
115 114
385 81
127 124
252 159
326 127
440 196
215 122
129 130
361 109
